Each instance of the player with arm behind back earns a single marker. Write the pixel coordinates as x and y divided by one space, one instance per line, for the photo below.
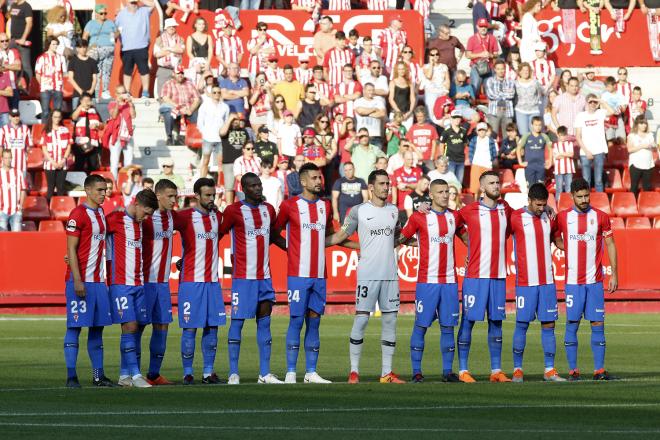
126 281
584 229
250 223
376 222
87 302
200 297
536 296
436 293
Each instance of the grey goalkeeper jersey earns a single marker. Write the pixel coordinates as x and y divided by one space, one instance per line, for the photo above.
377 230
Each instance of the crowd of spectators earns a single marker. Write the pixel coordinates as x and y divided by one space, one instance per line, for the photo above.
365 104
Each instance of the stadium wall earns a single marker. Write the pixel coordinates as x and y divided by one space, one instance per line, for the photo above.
32 268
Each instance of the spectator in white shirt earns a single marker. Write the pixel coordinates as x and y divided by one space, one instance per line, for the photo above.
370 113
273 187
396 160
590 137
374 76
289 137
211 117
442 172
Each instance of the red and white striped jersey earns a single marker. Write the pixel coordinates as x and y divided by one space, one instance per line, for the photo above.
335 59
18 140
625 89
12 185
324 90
305 223
52 68
10 56
228 48
124 249
339 5
250 228
583 234
416 73
259 60
487 231
509 72
378 5
275 75
391 44
423 7
304 3
532 235
199 240
347 108
304 76
495 10
544 70
243 165
565 165
56 143
435 236
157 233
89 226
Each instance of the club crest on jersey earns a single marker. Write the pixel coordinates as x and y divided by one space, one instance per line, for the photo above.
592 221
186 318
71 225
75 317
451 221
121 313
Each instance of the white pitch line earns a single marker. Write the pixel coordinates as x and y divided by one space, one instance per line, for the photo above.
319 410
333 428
31 318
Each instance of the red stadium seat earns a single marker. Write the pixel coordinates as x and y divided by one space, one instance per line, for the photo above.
638 223
614 182
617 157
617 223
82 200
193 136
37 183
50 226
61 207
28 226
67 91
506 176
656 223
106 175
625 178
565 202
35 159
36 208
68 123
648 203
624 205
600 201
37 132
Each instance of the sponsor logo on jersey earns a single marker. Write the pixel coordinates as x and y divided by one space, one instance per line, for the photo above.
441 239
160 235
71 225
263 231
582 237
313 226
136 244
381 231
207 235
98 237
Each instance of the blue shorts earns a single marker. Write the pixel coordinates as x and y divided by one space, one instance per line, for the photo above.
436 301
306 294
201 305
123 303
536 302
484 294
156 301
247 294
587 299
91 311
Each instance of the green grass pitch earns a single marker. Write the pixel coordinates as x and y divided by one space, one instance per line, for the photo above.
34 403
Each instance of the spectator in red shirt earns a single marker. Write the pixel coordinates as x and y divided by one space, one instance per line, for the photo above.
180 101
405 179
481 49
111 201
424 135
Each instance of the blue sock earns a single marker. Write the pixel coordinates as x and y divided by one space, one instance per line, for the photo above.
464 342
598 346
234 344
417 348
71 338
549 346
447 348
495 344
293 342
519 343
188 350
264 341
209 348
127 347
95 351
157 347
571 343
312 342
138 346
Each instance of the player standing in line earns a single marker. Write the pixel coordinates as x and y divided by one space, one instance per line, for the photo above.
308 220
584 229
200 296
484 287
250 223
87 303
536 296
157 233
436 293
376 222
126 280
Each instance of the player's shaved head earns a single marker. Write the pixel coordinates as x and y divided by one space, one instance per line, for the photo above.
95 187
439 193
489 183
164 184
93 179
437 182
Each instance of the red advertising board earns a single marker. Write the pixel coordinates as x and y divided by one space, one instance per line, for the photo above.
31 263
629 48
